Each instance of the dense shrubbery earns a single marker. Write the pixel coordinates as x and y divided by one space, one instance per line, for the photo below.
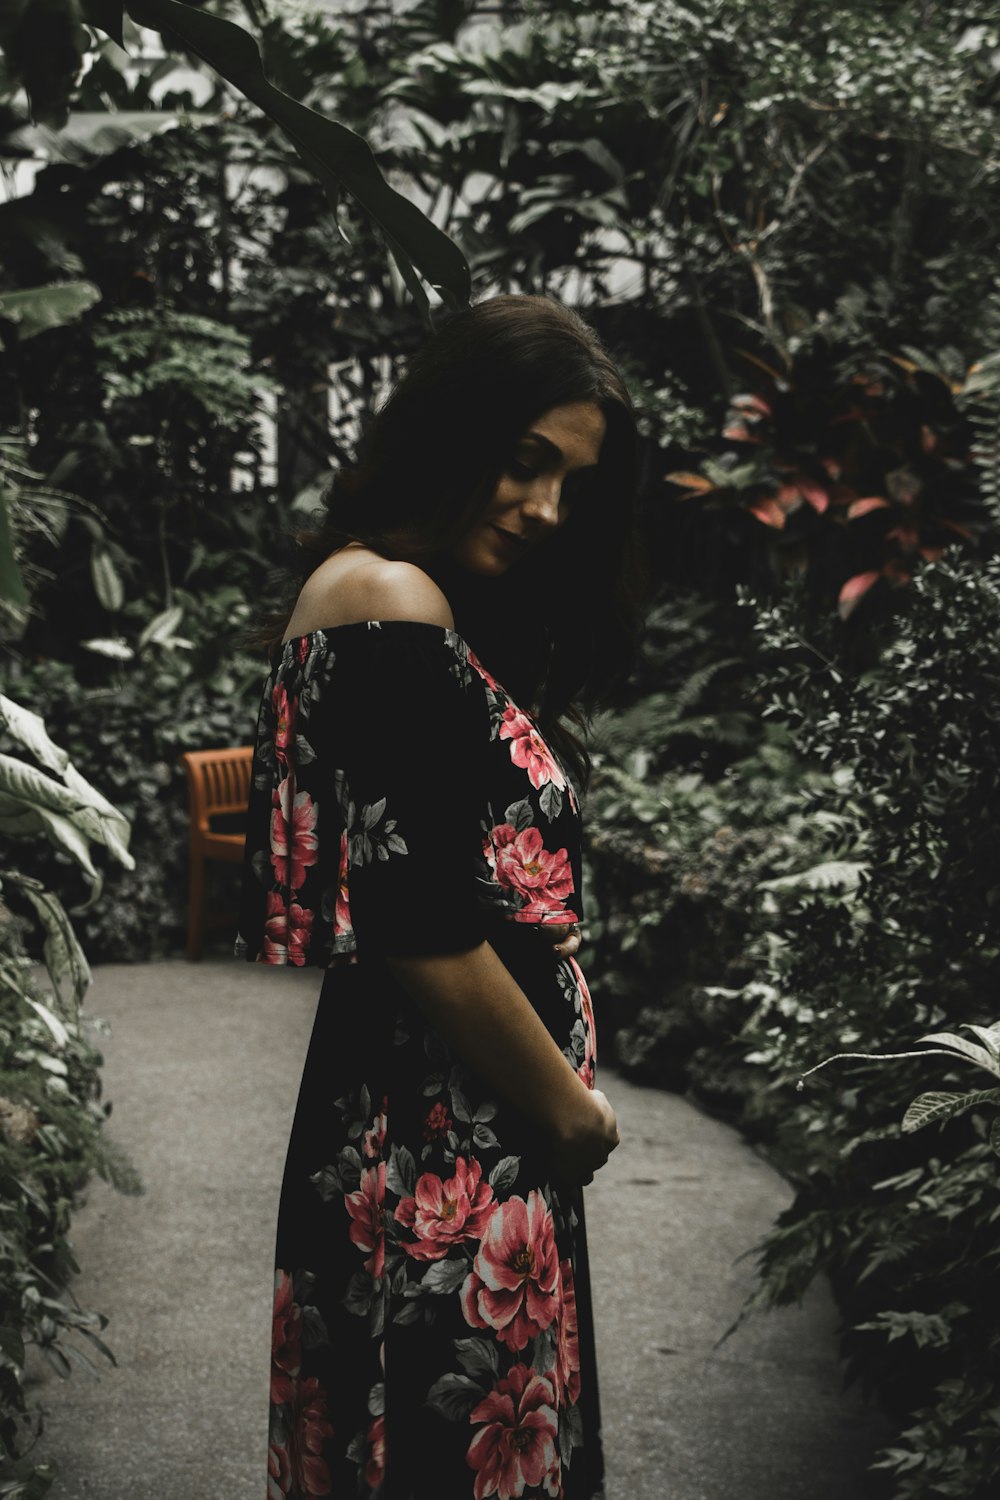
171 698
906 1226
877 920
51 1117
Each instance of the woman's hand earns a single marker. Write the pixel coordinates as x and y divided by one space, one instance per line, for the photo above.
565 937
584 1148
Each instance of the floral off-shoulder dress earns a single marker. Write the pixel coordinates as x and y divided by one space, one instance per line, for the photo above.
433 1334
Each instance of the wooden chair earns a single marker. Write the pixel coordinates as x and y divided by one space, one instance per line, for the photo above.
218 782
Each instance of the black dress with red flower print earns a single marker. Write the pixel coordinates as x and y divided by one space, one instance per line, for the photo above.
433 1333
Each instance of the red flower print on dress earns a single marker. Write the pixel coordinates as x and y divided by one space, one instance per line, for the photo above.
342 910
286 1339
279 1472
285 709
544 878
375 1465
514 1282
567 1370
294 844
442 1214
528 750
375 1136
487 677
517 1447
366 1207
586 1070
309 1427
287 931
437 1124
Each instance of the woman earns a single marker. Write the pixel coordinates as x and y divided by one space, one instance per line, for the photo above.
414 829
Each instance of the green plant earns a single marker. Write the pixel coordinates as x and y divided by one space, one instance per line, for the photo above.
860 463
936 1107
51 1120
907 1237
45 44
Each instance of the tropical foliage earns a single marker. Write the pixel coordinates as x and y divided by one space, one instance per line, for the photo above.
51 1117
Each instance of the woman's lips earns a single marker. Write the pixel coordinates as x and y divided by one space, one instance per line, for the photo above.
515 543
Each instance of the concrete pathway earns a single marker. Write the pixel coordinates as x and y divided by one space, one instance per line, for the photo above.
202 1068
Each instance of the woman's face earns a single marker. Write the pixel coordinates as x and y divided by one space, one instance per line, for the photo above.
535 493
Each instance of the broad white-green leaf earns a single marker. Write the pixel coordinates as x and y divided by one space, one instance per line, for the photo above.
110 829
953 1043
988 1035
927 1108
90 796
119 649
53 1022
26 784
29 729
61 951
108 585
63 834
90 133
162 626
39 307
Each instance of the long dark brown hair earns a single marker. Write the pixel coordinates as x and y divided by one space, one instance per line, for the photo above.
561 628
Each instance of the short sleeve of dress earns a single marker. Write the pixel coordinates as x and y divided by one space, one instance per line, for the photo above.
406 728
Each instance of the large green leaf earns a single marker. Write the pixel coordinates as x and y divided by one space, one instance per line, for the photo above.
99 819
91 133
24 789
927 1108
39 307
22 786
978 1055
337 156
28 728
70 814
29 820
61 951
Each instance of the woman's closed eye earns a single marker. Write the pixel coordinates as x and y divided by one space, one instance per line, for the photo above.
575 485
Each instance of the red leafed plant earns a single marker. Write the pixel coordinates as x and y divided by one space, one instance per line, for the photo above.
865 457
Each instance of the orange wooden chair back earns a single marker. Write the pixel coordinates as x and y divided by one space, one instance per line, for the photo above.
218 783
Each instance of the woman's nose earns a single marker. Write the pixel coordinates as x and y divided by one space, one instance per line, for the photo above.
541 505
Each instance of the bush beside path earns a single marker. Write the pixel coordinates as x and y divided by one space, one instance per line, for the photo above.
202 1068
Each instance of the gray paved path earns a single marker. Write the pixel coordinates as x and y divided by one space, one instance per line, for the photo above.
203 1067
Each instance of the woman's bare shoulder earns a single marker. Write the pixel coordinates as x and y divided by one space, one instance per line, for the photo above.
365 586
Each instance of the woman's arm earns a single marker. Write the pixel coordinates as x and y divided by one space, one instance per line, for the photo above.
473 1001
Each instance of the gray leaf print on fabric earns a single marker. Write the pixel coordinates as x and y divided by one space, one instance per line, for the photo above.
551 801
519 815
366 839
